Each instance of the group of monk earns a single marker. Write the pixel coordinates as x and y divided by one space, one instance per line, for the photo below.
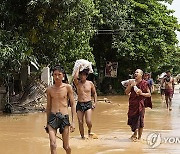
57 105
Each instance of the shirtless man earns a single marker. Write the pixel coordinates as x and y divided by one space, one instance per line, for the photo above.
169 89
57 110
85 89
162 89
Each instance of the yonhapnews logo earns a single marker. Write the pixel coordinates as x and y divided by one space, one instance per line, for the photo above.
155 139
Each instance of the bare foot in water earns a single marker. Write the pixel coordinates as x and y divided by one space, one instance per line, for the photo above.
93 136
83 138
133 138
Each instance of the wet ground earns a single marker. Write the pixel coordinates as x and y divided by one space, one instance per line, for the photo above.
24 134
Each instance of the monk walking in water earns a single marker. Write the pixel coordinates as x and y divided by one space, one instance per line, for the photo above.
57 110
139 92
85 89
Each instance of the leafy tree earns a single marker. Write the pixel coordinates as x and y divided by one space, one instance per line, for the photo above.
136 33
142 34
113 26
14 46
172 62
52 31
155 39
59 31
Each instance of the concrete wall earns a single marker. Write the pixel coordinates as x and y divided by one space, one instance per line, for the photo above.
45 76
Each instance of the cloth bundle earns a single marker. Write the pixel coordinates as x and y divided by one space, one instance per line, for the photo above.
125 82
162 75
85 64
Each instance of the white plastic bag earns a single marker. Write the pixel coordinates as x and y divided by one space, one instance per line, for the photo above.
162 75
85 64
125 83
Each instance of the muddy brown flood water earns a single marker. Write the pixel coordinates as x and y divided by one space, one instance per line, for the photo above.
24 134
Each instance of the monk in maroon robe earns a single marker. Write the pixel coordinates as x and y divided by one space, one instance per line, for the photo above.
140 97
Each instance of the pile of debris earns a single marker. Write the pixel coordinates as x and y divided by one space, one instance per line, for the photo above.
31 100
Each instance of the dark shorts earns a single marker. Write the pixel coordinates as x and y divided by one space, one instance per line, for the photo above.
162 91
83 106
136 121
58 120
169 92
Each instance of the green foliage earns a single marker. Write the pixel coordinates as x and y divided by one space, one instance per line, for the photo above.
60 30
155 39
14 46
136 33
52 31
114 25
172 62
14 51
142 35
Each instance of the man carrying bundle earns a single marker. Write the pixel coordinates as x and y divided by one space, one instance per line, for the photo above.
138 100
85 89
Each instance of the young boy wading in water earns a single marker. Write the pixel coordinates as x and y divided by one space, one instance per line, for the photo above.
85 89
57 110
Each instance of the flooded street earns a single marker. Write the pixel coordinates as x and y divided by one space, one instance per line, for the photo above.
24 134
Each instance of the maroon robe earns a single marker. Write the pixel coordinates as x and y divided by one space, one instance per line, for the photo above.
137 104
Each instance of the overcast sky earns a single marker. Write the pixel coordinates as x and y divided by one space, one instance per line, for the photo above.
176 6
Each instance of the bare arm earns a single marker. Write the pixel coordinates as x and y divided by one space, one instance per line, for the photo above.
152 86
94 94
162 82
73 108
75 77
48 108
173 83
128 89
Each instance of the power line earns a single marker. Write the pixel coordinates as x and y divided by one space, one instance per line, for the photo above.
120 31
116 33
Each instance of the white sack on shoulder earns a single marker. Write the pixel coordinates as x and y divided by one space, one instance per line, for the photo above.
125 83
162 75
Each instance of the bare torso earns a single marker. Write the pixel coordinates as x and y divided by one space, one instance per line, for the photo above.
58 97
84 91
169 85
